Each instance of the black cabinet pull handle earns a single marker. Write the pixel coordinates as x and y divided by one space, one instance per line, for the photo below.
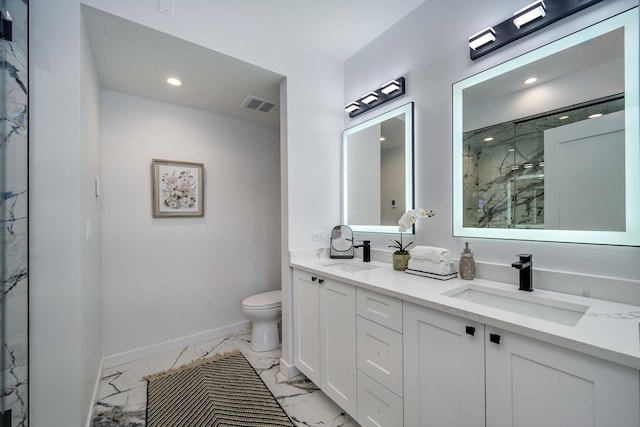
313 279
321 281
494 338
470 330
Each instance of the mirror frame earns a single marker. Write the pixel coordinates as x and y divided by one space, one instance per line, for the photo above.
631 236
407 110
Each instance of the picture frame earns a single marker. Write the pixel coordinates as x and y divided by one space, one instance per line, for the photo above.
177 188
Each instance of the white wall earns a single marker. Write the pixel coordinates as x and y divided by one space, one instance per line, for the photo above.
90 296
64 294
310 141
166 278
435 55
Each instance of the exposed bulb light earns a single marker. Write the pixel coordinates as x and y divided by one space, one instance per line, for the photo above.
530 80
529 13
595 116
390 87
563 117
487 139
369 98
351 107
174 81
481 38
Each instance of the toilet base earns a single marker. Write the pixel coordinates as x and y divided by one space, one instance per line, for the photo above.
264 336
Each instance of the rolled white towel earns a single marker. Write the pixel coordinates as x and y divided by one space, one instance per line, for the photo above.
431 267
430 253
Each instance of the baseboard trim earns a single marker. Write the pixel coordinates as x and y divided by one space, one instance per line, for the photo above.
288 369
152 350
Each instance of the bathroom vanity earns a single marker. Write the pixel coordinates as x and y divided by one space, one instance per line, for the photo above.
395 349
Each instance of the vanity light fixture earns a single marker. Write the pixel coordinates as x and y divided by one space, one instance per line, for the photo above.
174 81
523 22
369 98
388 91
351 107
481 38
529 13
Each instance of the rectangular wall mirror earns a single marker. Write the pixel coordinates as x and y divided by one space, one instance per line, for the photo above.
556 158
377 171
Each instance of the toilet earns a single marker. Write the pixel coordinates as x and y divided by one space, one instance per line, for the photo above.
264 311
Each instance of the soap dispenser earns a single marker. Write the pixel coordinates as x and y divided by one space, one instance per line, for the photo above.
467 263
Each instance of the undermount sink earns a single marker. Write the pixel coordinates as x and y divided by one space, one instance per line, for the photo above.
526 304
350 267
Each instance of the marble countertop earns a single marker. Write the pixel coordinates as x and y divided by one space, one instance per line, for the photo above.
608 330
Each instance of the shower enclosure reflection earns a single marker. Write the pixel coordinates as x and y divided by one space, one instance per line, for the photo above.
505 181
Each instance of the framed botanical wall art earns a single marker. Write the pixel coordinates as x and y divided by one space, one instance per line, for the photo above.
178 188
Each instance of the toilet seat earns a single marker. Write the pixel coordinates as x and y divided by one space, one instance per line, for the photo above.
263 301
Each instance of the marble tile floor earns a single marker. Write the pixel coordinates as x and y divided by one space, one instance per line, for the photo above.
122 392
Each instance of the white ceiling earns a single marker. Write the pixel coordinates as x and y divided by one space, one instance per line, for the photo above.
134 59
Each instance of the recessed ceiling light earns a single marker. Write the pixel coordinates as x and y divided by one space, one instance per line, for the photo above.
174 81
563 117
382 138
489 138
530 80
595 116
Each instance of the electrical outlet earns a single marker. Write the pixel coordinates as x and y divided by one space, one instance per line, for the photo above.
317 236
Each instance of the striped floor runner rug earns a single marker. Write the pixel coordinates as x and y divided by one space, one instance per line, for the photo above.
221 391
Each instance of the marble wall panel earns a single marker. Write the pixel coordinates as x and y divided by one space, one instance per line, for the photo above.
14 298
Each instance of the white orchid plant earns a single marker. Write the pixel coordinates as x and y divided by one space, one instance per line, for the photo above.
405 222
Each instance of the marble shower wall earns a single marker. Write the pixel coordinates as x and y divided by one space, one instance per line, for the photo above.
14 215
503 167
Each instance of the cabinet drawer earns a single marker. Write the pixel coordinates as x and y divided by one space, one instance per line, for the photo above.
377 406
379 354
379 308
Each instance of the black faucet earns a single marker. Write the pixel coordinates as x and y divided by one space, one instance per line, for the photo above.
526 271
366 250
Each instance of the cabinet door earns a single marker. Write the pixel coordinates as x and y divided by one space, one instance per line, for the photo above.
338 343
443 369
306 324
531 384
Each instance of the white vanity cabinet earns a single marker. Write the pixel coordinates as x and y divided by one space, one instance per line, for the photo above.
379 359
528 383
325 335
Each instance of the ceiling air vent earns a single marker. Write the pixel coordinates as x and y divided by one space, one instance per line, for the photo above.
255 103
